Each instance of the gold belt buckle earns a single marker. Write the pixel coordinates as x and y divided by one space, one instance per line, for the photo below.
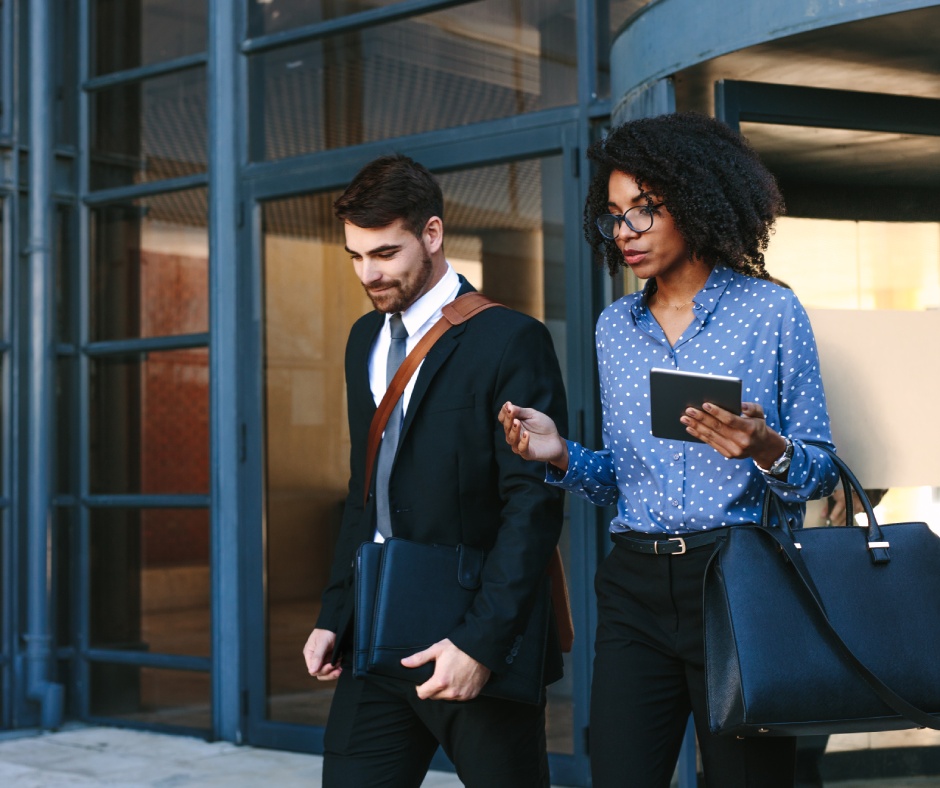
679 539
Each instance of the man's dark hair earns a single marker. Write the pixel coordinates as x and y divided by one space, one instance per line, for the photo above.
722 199
389 188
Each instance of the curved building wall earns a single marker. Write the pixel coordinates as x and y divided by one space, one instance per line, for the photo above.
671 35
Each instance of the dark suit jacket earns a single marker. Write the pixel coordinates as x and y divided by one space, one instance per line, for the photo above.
455 480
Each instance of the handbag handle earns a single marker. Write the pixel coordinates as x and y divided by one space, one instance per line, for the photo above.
876 544
784 538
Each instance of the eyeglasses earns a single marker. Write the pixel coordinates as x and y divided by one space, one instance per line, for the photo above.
639 219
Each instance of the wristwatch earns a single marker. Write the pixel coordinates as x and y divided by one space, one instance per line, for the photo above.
782 463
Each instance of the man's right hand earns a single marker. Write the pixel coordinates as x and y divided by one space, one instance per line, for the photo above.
533 435
318 649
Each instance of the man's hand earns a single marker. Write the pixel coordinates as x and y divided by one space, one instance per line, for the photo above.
736 437
457 676
317 650
533 435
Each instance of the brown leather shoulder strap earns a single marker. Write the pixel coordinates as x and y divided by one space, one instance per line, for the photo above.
456 312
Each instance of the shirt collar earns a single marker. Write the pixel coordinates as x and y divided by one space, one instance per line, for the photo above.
705 300
431 303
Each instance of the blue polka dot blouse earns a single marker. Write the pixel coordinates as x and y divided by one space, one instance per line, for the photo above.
741 326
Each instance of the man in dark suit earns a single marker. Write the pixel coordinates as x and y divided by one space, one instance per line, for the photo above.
454 480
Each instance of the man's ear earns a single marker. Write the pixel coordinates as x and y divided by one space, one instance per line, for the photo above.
433 234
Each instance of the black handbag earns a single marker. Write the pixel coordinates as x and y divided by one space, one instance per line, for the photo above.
823 630
409 595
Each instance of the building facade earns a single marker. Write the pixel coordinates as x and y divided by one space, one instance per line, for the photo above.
176 298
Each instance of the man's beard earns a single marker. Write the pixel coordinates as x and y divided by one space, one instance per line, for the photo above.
400 295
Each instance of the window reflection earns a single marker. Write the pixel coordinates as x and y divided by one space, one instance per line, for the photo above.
150 580
462 65
132 33
149 267
149 130
151 695
149 423
273 16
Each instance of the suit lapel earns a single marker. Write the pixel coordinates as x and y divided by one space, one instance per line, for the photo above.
433 362
358 382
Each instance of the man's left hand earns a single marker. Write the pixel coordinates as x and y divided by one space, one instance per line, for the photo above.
457 676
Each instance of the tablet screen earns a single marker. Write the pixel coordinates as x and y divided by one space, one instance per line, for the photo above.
672 391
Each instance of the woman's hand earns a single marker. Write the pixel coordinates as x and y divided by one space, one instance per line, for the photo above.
533 435
736 437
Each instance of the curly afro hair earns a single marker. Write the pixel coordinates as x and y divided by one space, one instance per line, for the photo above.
722 199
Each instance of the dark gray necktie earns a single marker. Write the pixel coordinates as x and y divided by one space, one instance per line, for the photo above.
396 354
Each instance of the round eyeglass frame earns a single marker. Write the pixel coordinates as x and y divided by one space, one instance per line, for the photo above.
614 220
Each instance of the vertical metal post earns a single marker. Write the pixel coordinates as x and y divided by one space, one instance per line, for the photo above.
224 76
39 651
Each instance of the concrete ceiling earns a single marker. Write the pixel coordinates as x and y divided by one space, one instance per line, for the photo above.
821 170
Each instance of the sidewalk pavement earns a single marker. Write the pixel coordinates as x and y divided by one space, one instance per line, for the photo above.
86 757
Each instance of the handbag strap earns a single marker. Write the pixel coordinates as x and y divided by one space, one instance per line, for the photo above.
458 311
784 538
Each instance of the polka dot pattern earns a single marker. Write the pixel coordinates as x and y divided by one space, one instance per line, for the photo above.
741 326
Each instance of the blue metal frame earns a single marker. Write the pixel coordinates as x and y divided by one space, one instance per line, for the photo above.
226 457
348 23
81 669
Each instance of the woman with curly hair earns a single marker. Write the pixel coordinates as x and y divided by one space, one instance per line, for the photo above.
683 202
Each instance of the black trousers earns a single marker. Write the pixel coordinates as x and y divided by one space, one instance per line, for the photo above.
381 735
649 674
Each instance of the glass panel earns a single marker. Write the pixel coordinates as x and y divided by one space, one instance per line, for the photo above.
150 580
505 233
66 71
65 433
150 267
131 33
150 695
65 249
466 64
149 423
149 130
64 519
273 16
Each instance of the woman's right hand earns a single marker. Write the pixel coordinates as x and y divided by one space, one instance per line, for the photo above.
533 435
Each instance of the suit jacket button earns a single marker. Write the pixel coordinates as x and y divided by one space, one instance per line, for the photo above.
509 660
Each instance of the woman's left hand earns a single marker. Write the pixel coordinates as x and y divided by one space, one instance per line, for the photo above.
736 437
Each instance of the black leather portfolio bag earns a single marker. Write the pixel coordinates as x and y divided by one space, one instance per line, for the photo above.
411 595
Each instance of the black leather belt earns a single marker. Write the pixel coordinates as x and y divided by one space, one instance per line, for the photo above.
674 545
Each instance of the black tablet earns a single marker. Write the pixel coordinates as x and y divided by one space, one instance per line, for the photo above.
672 391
